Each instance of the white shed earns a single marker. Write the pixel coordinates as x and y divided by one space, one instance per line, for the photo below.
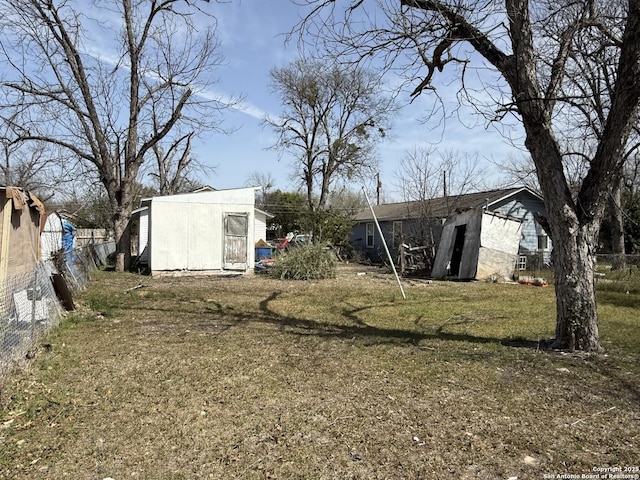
51 236
140 234
478 244
207 231
261 219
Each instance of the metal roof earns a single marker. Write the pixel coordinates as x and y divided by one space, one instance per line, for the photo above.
440 207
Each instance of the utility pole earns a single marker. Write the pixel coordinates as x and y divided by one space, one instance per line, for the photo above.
378 188
444 190
444 183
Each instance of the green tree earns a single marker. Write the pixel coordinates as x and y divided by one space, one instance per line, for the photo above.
288 209
330 226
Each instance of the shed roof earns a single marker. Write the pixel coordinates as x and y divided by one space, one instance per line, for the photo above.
243 195
440 207
22 198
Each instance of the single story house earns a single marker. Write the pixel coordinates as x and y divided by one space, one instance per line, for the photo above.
421 223
206 231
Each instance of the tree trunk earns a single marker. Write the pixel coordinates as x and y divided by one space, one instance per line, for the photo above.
122 206
122 235
576 310
574 236
617 228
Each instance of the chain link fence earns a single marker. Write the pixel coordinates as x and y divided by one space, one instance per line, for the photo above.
30 306
630 260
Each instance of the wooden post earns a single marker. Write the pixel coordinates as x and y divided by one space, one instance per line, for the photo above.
4 242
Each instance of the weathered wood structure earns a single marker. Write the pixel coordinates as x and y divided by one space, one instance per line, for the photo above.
421 224
21 213
478 244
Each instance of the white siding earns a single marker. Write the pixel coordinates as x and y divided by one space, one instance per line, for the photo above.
499 244
500 234
51 236
143 236
260 226
187 230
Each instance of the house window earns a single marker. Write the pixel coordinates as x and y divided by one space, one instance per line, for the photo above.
522 262
543 242
369 234
397 234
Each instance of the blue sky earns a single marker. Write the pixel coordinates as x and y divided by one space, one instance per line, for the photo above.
251 35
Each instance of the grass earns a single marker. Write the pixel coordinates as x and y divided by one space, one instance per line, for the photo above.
257 378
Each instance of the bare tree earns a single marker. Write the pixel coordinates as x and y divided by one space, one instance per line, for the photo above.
534 48
175 168
518 170
423 174
522 171
109 110
261 179
589 89
27 168
35 167
266 183
332 118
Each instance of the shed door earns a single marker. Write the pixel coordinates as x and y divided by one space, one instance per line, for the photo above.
143 238
458 247
235 241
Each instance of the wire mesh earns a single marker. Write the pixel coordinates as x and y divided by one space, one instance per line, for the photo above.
29 305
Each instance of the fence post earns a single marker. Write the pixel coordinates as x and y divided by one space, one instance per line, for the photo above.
33 304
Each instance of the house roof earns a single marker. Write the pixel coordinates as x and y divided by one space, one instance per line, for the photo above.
440 207
266 214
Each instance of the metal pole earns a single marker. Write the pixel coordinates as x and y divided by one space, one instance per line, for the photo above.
375 219
34 290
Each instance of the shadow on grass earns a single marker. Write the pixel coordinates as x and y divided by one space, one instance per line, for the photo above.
619 299
359 329
181 309
627 383
353 328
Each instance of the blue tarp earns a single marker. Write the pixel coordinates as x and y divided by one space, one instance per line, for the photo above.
68 232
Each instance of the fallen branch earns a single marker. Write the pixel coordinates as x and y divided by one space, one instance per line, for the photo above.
134 288
594 415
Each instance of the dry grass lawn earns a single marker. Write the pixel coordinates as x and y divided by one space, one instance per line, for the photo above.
253 378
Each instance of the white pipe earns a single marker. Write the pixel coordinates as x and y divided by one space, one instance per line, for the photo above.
375 219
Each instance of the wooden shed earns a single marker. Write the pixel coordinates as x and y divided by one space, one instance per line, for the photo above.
478 244
421 223
207 231
22 215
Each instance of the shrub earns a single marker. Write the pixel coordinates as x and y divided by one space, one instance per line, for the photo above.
304 262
